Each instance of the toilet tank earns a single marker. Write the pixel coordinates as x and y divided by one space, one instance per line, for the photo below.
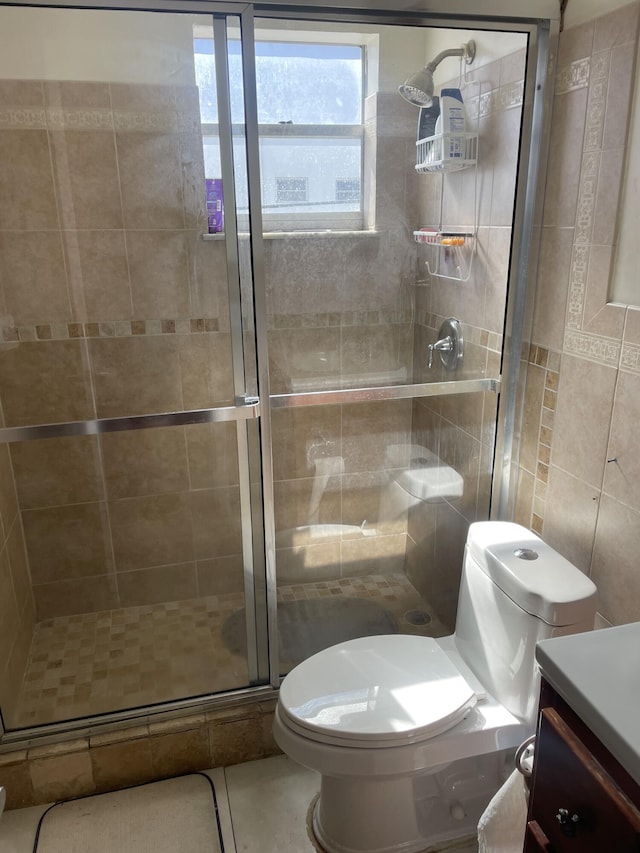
516 590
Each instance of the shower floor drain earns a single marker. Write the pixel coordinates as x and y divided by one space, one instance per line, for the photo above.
417 617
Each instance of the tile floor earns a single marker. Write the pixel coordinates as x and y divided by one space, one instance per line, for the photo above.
100 662
263 808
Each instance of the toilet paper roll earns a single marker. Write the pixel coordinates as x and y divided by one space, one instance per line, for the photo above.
502 825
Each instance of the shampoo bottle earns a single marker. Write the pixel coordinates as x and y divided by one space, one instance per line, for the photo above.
452 123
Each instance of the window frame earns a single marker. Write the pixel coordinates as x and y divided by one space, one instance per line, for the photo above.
274 220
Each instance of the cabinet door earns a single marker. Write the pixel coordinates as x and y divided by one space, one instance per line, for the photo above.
535 841
596 815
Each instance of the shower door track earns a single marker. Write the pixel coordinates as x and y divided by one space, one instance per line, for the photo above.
384 392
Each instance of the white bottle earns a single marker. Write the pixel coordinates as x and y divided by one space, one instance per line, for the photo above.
452 123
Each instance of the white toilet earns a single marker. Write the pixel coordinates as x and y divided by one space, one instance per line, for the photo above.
412 736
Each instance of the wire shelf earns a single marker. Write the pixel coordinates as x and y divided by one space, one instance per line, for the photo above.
447 152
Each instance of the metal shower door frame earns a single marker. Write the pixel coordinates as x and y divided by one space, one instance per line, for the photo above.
541 25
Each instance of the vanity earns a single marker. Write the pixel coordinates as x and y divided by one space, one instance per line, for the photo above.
585 794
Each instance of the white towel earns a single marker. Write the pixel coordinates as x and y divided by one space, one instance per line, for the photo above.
502 825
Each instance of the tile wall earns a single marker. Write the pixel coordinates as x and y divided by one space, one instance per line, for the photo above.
112 305
461 429
350 525
583 383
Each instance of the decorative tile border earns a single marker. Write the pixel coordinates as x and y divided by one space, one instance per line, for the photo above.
113 329
507 97
339 319
630 358
103 119
594 73
593 347
573 76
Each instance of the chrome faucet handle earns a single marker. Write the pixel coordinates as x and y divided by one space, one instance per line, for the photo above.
449 344
443 345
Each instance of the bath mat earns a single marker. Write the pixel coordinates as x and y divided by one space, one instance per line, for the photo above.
161 817
309 625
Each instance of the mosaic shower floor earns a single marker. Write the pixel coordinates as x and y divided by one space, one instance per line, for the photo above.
100 662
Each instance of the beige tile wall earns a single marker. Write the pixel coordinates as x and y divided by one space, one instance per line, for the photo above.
17 612
461 429
111 305
340 313
584 504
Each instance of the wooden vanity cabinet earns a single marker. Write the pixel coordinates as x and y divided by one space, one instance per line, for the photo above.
582 799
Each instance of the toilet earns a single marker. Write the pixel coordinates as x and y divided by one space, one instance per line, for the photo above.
412 736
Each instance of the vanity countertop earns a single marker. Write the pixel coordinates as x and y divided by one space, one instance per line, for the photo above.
598 675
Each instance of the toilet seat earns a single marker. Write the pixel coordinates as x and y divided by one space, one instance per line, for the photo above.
376 692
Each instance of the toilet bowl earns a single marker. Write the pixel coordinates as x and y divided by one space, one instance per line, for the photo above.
412 735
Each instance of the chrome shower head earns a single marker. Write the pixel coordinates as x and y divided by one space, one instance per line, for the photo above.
418 88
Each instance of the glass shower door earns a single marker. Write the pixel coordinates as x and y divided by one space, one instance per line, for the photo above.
128 398
380 459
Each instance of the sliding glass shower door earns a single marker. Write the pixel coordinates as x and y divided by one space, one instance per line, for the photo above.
128 393
227 440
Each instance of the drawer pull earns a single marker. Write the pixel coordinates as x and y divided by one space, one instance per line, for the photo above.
567 822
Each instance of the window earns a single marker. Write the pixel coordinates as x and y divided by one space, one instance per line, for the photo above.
292 190
347 189
311 132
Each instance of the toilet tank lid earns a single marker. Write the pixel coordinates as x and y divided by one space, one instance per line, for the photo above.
532 573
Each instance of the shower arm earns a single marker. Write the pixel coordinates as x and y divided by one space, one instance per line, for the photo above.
452 51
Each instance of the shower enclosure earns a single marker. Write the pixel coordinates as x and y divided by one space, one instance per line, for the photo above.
224 446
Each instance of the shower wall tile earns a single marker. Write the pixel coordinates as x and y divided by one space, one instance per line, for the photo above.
621 478
154 530
21 93
580 438
212 453
98 272
296 504
205 369
85 171
614 567
159 273
220 576
371 502
301 563
563 170
76 93
369 429
67 541
571 512
553 279
8 499
157 585
135 376
52 472
45 382
589 506
145 462
151 179
20 575
379 554
32 270
303 439
10 622
26 181
216 522
79 595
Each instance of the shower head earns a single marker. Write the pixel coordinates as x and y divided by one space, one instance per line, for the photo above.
418 88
